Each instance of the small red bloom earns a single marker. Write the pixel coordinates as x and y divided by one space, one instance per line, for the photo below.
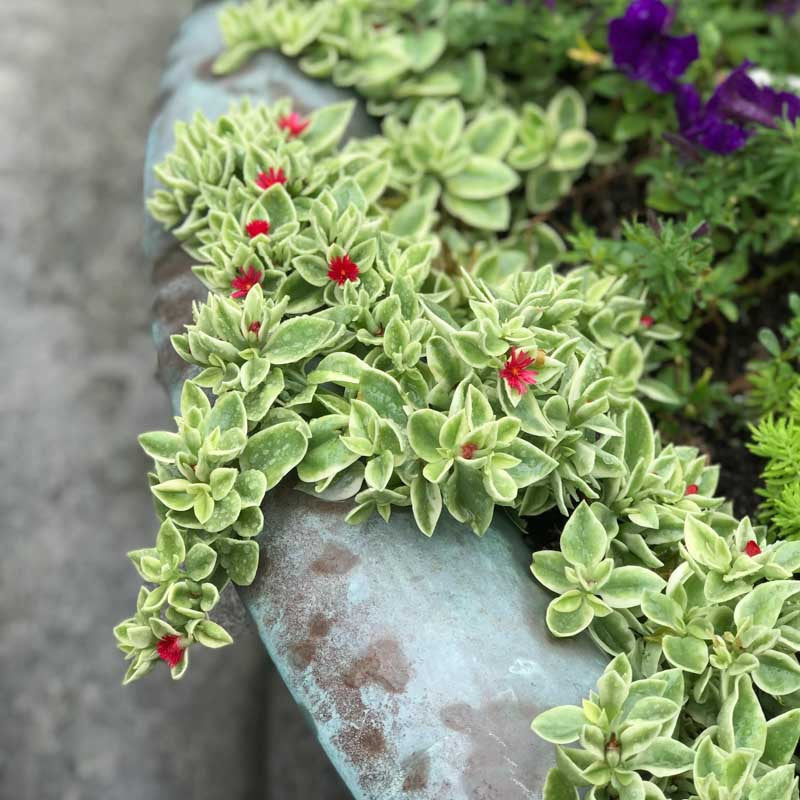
266 179
752 549
647 321
169 650
468 450
691 488
244 283
255 327
341 269
293 123
257 227
516 372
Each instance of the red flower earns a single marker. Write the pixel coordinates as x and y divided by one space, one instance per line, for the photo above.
752 549
255 327
244 283
169 650
293 123
647 321
468 450
257 227
691 488
341 269
266 179
515 371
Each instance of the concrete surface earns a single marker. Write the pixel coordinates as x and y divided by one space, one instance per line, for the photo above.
78 80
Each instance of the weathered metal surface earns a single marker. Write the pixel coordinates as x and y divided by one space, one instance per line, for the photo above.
419 662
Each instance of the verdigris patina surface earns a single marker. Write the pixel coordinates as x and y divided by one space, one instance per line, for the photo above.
420 662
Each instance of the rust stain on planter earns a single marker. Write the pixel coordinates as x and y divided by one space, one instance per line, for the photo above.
335 560
384 665
416 779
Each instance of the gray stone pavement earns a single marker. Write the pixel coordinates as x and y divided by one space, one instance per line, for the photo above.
78 80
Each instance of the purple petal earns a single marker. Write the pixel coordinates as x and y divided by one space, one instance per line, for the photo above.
780 104
739 98
687 106
664 59
720 137
679 52
626 44
650 17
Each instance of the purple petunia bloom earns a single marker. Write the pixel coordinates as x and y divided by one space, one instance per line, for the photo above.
642 48
722 125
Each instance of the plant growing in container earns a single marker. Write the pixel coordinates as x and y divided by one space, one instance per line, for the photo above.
478 313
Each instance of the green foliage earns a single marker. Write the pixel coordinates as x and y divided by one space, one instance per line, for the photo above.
775 394
749 201
384 321
631 735
776 439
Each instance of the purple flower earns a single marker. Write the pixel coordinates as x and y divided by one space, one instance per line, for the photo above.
643 49
723 124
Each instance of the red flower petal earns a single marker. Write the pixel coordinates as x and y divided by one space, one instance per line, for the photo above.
515 371
647 321
169 650
752 549
293 123
255 327
266 179
342 269
691 488
245 282
468 450
258 227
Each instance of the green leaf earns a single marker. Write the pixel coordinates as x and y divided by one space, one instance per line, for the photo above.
426 503
383 393
777 673
251 484
686 653
558 787
626 586
227 414
279 207
765 602
327 126
780 784
568 621
544 189
663 610
423 433
574 150
174 494
705 545
567 110
489 215
482 178
492 133
584 539
741 722
209 634
548 567
275 451
639 437
298 338
169 543
239 559
161 445
783 733
559 725
663 758
222 480
200 561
